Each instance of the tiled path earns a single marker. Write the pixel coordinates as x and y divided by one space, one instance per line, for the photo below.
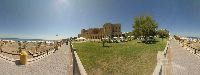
54 64
183 62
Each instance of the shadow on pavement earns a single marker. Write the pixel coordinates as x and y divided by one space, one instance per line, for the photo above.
17 62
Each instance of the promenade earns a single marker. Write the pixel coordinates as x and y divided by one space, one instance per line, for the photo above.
181 61
57 63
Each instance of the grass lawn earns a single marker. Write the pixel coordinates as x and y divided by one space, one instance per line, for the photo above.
129 58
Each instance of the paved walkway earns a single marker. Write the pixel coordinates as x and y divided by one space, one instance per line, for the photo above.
54 64
182 61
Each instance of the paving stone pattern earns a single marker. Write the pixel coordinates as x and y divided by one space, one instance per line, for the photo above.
54 64
183 61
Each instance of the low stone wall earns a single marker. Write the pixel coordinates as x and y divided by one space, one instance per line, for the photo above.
78 68
161 61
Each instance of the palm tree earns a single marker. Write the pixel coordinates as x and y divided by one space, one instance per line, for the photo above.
19 48
1 47
36 49
19 44
56 46
59 44
45 44
39 44
24 46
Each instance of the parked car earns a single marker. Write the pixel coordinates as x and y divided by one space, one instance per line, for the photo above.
122 39
115 40
150 39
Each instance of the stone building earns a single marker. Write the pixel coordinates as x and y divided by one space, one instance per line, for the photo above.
108 30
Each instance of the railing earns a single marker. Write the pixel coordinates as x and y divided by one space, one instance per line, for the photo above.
161 60
36 56
192 49
41 55
78 68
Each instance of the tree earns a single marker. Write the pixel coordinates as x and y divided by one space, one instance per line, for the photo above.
39 44
25 46
56 47
45 43
144 26
1 45
36 49
103 42
163 33
19 48
19 44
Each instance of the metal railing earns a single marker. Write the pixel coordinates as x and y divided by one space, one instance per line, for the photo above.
192 49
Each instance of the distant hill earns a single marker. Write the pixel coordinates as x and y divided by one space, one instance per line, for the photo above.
194 37
9 38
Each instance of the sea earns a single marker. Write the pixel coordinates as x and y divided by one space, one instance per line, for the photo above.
194 38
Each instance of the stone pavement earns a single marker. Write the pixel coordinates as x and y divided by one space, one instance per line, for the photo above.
183 62
54 64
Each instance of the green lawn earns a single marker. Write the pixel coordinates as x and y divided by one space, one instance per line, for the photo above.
130 58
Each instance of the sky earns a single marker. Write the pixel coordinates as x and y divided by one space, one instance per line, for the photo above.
45 19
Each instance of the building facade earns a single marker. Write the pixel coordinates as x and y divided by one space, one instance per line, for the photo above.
107 31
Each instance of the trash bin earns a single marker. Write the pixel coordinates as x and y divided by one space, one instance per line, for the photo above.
23 57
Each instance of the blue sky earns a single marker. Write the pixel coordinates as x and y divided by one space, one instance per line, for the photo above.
47 18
